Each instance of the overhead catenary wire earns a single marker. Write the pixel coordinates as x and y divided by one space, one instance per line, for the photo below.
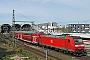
24 16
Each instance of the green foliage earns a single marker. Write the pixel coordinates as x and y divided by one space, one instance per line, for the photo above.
26 53
20 50
49 58
30 56
7 57
64 29
25 58
9 43
69 29
36 58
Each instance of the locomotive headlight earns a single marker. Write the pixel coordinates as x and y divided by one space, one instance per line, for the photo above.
79 45
76 45
82 45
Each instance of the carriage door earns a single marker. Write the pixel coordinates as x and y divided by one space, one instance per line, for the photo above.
34 39
19 36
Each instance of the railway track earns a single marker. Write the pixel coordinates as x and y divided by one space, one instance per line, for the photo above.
36 51
83 58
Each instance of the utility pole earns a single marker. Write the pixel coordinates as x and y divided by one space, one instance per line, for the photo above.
13 29
46 54
47 28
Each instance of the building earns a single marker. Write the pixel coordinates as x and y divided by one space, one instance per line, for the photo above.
49 24
80 28
47 27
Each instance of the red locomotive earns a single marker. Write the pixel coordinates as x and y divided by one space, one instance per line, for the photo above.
67 44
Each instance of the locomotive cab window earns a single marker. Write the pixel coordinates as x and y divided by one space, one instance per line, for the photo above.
68 41
77 40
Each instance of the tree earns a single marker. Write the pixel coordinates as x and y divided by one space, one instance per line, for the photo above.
69 29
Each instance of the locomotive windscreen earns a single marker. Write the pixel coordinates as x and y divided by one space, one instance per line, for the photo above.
78 40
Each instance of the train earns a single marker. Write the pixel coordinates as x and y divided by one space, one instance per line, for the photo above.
67 44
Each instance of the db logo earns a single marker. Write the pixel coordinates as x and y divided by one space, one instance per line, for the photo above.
51 41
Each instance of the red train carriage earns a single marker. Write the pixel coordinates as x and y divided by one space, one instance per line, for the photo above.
26 38
23 36
29 37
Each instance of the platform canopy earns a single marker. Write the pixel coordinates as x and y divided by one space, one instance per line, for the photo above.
26 27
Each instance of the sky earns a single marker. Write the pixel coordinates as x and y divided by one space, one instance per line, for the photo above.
42 11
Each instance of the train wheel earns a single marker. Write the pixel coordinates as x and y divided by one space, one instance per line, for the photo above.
74 54
53 48
84 53
65 52
78 55
60 50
